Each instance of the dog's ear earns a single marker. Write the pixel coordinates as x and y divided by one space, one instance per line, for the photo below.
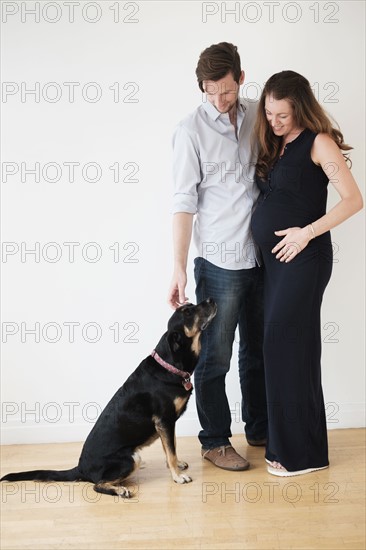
175 341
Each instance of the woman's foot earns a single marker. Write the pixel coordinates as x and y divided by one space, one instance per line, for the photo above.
276 469
277 465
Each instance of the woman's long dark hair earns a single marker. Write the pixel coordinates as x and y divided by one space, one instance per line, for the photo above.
308 113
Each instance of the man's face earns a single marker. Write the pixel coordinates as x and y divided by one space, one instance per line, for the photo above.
223 93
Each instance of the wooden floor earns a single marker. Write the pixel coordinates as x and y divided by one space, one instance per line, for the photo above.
218 510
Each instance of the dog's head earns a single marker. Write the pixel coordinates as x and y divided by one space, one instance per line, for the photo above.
186 325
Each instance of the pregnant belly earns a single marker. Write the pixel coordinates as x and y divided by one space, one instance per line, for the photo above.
273 215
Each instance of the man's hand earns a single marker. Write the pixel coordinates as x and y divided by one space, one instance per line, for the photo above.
176 296
182 231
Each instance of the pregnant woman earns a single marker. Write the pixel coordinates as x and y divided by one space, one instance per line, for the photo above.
299 153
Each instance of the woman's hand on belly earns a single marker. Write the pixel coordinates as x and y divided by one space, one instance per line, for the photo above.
295 239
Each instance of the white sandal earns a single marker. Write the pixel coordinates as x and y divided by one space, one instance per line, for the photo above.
281 472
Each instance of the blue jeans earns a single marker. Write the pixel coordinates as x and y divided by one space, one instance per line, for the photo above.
239 298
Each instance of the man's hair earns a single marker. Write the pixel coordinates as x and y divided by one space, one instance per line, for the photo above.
217 61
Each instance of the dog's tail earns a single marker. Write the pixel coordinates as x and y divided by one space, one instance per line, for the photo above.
45 475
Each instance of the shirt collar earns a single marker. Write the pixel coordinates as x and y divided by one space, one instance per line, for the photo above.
214 113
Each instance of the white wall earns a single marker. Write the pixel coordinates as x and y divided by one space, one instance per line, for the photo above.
151 52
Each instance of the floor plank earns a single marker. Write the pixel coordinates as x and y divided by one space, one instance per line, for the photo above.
218 510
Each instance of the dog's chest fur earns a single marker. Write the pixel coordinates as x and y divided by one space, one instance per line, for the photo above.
180 404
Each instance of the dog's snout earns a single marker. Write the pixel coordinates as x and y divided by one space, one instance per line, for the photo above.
208 302
207 311
211 303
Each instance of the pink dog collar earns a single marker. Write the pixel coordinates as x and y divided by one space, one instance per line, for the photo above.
187 385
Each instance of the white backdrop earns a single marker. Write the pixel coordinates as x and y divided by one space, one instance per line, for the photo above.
91 94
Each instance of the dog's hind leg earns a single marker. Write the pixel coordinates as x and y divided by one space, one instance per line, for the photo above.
115 486
166 432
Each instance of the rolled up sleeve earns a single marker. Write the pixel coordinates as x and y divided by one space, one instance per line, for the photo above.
186 171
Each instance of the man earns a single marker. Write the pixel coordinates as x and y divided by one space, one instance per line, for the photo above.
213 168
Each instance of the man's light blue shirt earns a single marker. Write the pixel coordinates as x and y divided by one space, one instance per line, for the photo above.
214 179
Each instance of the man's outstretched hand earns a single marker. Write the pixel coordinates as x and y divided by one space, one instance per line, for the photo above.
177 296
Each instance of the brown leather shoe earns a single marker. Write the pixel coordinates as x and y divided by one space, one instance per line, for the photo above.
226 457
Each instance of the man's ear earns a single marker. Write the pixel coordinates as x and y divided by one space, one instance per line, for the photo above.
175 341
242 78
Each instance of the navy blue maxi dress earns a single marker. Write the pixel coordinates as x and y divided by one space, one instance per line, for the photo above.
294 195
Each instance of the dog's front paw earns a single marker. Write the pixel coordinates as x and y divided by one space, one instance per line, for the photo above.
182 465
182 478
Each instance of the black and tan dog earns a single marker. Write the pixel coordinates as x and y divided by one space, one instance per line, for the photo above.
146 407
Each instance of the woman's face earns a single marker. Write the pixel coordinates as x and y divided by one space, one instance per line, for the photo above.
280 116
